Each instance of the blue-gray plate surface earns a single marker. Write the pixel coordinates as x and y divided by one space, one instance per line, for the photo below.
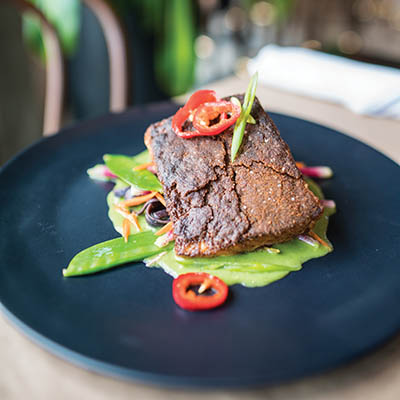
125 323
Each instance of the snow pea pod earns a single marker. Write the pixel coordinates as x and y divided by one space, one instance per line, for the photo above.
141 158
114 252
122 166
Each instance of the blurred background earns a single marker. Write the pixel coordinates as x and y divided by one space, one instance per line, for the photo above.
170 47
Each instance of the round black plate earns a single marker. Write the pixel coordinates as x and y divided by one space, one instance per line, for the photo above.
124 322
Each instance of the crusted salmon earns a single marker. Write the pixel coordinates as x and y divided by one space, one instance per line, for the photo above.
219 207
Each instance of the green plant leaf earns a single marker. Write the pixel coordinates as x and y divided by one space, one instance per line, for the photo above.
175 58
63 14
32 34
283 7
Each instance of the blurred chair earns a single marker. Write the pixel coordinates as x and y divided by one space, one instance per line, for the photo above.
55 77
53 102
117 52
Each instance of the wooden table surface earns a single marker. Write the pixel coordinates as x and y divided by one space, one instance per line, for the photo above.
30 372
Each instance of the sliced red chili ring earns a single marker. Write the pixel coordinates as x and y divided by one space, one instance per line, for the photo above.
185 291
177 123
212 118
200 97
195 100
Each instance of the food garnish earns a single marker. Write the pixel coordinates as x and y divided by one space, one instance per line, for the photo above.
328 203
236 101
240 125
163 240
316 237
273 250
160 198
207 115
321 172
213 118
166 228
185 113
210 116
130 216
136 221
143 166
126 229
198 98
129 192
135 201
199 291
101 172
308 239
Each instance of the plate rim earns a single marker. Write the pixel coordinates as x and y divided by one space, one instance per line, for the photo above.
107 369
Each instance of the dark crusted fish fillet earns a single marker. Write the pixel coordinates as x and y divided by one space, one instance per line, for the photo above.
222 208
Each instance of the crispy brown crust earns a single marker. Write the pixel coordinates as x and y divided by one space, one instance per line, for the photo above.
219 207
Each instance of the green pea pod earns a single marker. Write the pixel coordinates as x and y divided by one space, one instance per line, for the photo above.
113 253
241 122
141 158
122 166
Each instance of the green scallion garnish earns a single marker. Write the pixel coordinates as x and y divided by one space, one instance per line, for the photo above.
237 102
241 122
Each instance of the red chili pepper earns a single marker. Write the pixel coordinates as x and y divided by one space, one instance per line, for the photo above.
200 97
210 116
195 100
186 290
213 118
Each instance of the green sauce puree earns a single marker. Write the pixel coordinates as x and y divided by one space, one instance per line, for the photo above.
256 268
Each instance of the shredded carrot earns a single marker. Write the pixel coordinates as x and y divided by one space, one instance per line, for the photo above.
166 228
123 211
132 217
126 229
136 221
316 237
300 164
135 218
143 166
161 199
135 201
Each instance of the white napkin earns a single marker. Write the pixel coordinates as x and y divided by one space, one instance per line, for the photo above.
363 88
